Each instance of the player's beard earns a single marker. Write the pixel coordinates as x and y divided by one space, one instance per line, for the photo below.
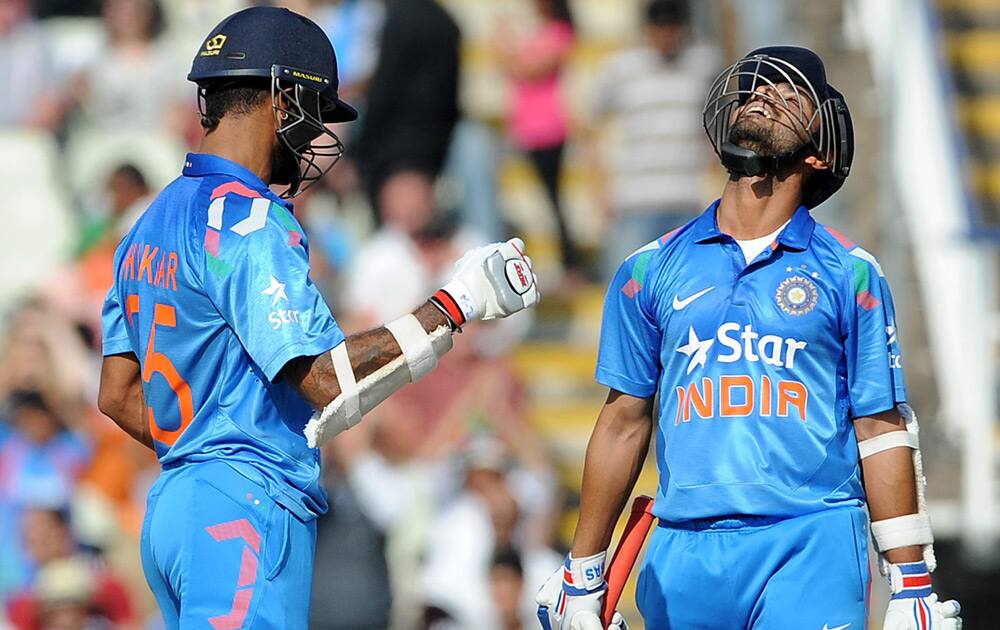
284 165
764 136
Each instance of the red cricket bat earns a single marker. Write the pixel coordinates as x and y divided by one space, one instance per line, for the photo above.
626 553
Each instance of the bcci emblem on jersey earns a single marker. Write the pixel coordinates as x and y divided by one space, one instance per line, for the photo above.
796 295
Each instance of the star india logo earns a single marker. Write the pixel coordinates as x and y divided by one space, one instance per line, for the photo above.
797 295
741 342
696 349
276 290
281 314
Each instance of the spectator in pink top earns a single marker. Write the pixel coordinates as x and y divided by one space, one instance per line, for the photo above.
537 122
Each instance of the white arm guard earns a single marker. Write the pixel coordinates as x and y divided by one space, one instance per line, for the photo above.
912 529
420 354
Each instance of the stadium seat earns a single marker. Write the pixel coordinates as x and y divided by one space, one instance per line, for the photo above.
74 42
972 44
91 154
37 218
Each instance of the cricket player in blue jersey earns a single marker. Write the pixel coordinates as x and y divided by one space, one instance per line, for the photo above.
221 355
769 344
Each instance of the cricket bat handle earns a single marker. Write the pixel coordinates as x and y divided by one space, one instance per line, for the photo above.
627 552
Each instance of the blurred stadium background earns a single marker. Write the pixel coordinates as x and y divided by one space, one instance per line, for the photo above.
453 501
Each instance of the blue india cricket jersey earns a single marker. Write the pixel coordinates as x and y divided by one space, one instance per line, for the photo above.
759 369
212 294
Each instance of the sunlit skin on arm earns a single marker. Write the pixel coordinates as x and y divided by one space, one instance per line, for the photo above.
890 481
121 397
615 455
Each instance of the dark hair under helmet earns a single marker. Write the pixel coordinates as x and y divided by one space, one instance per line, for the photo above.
291 53
829 131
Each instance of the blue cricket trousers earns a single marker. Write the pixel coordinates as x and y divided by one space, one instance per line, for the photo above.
219 554
804 573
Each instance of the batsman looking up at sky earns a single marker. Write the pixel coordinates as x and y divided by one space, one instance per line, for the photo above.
768 343
219 352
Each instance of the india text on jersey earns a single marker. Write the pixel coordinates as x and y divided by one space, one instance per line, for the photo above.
740 395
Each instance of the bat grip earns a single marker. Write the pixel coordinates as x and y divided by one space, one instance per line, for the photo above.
626 554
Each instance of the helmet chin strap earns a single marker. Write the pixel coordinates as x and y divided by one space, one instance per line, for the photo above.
748 163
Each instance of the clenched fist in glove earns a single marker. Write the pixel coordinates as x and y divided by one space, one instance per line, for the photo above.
913 606
490 282
571 598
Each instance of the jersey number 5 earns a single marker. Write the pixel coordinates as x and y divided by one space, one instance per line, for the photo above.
158 363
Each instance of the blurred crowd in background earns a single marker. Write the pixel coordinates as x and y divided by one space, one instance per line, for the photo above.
445 502
577 125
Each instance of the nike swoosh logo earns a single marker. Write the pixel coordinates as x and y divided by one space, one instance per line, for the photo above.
681 304
837 628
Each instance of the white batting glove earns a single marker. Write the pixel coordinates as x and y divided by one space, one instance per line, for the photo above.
572 597
490 282
913 606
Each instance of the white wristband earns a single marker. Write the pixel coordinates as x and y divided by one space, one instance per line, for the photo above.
902 531
416 345
464 298
586 573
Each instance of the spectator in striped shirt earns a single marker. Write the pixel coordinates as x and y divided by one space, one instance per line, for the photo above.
647 118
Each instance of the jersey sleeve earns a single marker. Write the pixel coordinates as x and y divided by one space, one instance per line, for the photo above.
628 358
114 334
257 275
874 366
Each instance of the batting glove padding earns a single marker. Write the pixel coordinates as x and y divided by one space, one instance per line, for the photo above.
571 598
490 282
913 605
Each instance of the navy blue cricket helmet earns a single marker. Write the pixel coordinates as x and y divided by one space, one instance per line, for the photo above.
294 56
830 131
262 41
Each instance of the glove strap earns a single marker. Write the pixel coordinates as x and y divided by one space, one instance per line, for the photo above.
464 301
457 302
583 576
439 305
909 580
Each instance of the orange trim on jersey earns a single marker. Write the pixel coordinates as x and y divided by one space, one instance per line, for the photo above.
843 240
234 187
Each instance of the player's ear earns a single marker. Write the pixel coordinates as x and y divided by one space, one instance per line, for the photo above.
816 163
282 103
